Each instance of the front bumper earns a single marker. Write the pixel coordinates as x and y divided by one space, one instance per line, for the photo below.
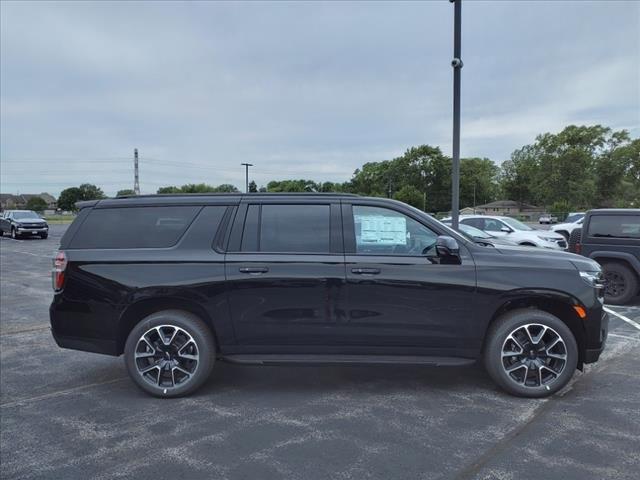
592 354
32 231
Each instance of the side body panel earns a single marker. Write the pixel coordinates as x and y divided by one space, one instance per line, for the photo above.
102 285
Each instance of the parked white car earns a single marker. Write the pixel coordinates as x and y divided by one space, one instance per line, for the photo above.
565 229
515 231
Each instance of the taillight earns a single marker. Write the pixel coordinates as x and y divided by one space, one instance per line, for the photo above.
57 274
578 248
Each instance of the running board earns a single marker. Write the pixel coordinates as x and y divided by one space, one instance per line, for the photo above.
306 359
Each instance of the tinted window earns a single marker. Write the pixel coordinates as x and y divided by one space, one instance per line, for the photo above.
474 222
295 228
139 227
250 233
617 226
380 231
491 225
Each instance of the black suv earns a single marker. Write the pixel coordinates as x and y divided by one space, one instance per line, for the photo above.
612 238
178 282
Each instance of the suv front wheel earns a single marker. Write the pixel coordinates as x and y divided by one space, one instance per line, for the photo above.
530 353
170 353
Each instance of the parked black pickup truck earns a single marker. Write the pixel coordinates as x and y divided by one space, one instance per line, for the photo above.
612 238
20 223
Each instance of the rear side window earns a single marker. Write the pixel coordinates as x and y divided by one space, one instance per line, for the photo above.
615 226
137 227
290 229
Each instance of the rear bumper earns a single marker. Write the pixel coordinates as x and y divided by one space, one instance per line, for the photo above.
592 354
84 343
93 345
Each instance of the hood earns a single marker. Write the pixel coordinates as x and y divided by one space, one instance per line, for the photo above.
30 220
495 241
549 234
578 261
560 226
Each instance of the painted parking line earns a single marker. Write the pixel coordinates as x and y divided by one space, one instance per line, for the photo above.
623 318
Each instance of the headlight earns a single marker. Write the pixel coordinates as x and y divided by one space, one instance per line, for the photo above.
550 239
593 279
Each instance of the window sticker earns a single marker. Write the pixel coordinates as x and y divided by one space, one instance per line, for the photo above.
381 230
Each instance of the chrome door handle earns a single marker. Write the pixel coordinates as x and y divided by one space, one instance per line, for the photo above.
365 271
253 270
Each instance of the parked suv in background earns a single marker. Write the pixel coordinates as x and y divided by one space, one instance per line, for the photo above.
612 238
21 223
514 231
179 282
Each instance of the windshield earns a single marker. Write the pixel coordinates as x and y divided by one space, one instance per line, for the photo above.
574 218
18 215
473 231
516 224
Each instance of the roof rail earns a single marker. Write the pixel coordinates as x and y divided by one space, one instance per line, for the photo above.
280 194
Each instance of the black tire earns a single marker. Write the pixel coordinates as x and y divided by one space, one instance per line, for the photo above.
1 233
187 326
574 238
622 283
44 236
538 382
14 234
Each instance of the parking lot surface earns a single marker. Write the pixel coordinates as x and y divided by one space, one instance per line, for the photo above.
67 414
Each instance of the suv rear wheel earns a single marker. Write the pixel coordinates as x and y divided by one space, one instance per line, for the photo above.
622 283
170 353
530 353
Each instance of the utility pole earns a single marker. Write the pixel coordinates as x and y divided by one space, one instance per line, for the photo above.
456 63
474 197
246 175
136 182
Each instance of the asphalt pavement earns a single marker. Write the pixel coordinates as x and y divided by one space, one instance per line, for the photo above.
74 415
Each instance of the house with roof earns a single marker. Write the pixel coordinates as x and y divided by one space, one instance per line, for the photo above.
509 208
9 201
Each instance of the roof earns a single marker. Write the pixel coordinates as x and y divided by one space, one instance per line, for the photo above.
202 198
617 211
507 204
24 197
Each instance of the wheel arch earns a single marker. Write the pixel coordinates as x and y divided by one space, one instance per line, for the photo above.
556 303
135 312
618 257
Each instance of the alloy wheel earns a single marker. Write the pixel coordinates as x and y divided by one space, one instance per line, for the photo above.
533 355
166 356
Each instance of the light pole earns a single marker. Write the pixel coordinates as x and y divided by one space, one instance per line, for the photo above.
246 176
456 63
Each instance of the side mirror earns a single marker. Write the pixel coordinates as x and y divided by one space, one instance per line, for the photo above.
447 246
506 230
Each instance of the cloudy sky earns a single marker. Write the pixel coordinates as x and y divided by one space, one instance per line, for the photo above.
302 89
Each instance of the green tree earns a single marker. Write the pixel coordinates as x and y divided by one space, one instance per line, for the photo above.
579 167
89 191
126 191
411 195
169 189
69 196
253 187
36 204
225 188
293 186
